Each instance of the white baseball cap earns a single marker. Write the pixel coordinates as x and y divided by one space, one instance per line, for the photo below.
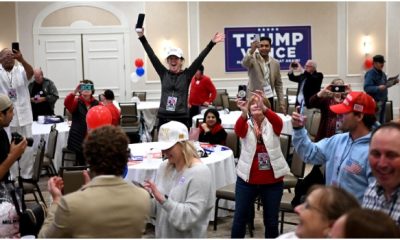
170 133
175 52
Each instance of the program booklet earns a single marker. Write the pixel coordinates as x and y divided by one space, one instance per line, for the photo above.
392 81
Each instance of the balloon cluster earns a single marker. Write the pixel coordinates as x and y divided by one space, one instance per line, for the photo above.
139 70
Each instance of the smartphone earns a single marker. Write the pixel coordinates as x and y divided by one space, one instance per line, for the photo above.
15 46
84 87
338 88
256 37
242 91
294 64
139 23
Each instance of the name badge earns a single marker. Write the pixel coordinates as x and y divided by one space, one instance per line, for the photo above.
268 91
263 161
171 103
12 94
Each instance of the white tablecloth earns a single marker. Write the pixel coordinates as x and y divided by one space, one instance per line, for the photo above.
221 165
149 112
229 120
39 130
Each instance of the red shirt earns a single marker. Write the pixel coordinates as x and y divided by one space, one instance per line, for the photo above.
71 102
115 114
201 91
260 176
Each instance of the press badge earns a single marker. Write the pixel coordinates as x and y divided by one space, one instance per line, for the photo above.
268 91
171 103
12 94
263 161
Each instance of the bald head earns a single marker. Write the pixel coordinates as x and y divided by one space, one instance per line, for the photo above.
38 74
7 59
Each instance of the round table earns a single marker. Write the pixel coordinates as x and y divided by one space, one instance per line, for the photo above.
220 162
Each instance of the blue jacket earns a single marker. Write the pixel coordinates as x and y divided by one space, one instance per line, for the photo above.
346 161
374 78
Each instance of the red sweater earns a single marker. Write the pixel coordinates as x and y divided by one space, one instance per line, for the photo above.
201 91
71 102
115 114
260 176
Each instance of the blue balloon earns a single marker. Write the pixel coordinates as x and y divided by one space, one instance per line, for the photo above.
140 71
125 171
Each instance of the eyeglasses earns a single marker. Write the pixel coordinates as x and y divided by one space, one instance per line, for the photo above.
307 206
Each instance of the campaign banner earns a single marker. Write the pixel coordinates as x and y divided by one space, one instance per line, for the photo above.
289 43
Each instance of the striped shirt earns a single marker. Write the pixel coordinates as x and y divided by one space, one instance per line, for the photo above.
374 198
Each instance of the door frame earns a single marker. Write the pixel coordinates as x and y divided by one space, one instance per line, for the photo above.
83 27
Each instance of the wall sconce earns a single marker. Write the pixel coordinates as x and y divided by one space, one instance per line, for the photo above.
367 45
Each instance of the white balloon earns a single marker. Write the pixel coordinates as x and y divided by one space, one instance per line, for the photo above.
134 77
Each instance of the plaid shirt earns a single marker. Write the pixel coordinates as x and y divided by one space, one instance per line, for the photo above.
374 198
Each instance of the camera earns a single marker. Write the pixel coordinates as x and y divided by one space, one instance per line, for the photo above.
294 64
17 138
86 87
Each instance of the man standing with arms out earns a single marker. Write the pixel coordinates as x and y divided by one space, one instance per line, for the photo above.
14 79
264 72
309 82
345 155
202 92
384 158
43 95
376 85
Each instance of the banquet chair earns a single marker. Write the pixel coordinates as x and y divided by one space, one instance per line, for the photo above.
290 92
72 177
314 124
48 163
297 169
140 95
286 143
225 101
68 156
232 104
31 185
227 193
130 121
389 111
286 207
232 141
218 102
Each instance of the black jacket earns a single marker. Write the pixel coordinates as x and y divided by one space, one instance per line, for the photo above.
312 84
172 84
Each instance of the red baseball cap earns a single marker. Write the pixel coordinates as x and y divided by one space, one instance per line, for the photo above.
355 102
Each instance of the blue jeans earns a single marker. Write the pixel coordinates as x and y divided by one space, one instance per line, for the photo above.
270 194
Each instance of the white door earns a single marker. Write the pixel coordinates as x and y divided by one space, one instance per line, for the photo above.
103 62
60 57
68 58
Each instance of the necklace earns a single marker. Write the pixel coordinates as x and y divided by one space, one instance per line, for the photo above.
9 76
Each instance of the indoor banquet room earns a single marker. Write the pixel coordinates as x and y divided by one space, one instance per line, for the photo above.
199 119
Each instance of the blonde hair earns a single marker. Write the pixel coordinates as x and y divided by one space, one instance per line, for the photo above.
334 81
253 99
189 153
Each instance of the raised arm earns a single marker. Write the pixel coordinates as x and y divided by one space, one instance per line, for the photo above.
158 66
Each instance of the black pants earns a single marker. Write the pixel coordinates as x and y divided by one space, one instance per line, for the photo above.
185 121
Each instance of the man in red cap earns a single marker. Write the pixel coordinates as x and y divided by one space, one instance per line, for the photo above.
345 155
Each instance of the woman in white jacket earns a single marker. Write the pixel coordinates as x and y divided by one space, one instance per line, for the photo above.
261 165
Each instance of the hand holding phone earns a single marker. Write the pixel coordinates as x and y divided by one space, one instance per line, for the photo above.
242 92
15 47
139 23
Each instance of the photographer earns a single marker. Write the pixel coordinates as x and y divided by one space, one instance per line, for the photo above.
9 153
309 82
331 94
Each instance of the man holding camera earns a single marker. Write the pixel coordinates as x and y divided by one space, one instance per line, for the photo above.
9 153
309 82
14 80
264 72
376 85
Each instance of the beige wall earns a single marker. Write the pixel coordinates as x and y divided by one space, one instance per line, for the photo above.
7 24
365 18
169 27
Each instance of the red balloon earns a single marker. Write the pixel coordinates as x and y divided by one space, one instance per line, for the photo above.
139 62
368 63
98 116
